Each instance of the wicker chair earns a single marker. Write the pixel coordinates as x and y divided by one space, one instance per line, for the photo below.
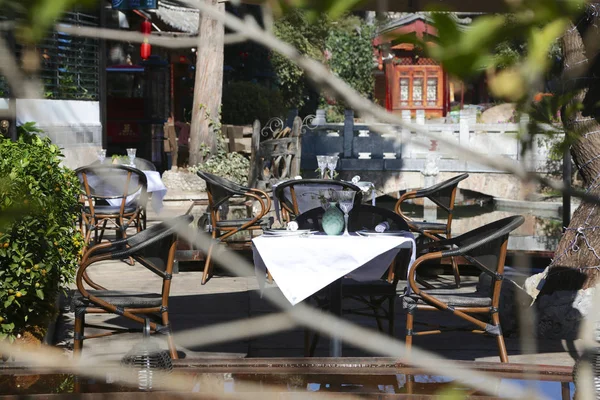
371 296
103 183
443 195
483 247
220 191
154 248
297 196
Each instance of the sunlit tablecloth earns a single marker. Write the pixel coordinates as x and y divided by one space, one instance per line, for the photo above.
301 266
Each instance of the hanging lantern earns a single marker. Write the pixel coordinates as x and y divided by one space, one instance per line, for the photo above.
146 27
145 50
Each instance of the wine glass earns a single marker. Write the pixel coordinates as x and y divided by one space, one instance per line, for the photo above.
346 202
331 164
131 155
102 155
322 162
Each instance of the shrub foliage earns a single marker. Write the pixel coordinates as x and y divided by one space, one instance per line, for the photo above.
39 245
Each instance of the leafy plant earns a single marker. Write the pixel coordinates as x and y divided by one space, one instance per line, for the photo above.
232 166
349 54
39 248
308 36
244 102
344 44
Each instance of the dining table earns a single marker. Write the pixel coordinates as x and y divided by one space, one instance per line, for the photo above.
303 264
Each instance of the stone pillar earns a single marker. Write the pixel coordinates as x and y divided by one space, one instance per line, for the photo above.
421 117
463 122
406 116
430 173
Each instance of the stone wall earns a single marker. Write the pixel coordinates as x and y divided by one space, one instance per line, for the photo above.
499 185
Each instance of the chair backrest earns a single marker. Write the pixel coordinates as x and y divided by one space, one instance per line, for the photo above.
443 193
298 196
152 246
485 247
275 159
220 190
112 181
361 217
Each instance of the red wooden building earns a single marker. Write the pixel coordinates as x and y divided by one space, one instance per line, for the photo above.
407 80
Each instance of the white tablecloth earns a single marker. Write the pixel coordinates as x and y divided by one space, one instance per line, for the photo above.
301 266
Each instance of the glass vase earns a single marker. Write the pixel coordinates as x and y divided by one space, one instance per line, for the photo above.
333 220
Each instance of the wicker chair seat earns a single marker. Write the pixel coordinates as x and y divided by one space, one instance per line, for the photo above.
108 210
451 297
119 298
429 226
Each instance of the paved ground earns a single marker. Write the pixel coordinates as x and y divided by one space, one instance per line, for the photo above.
226 298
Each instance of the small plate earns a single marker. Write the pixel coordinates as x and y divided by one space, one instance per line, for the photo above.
284 232
386 233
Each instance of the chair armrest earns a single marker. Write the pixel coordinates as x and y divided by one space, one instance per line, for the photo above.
263 198
398 207
412 275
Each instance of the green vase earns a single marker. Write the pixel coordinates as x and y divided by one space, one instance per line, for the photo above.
333 220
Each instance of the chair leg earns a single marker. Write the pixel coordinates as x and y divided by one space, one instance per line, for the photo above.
500 339
207 273
78 332
409 329
170 340
306 343
391 315
455 271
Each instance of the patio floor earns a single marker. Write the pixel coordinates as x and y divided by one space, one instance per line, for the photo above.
226 298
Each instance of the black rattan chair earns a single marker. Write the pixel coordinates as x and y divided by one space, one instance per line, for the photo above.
370 296
443 195
485 248
220 191
102 183
154 248
297 196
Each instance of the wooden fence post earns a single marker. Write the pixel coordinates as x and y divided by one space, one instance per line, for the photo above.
296 134
254 155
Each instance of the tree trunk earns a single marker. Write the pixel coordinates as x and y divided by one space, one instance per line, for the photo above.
578 252
208 85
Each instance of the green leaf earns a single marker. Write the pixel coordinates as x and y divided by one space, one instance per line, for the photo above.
40 294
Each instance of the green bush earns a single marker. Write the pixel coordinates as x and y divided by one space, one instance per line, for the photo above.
39 245
232 166
244 102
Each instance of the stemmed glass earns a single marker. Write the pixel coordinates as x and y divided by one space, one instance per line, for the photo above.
346 202
322 162
102 155
131 155
331 164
